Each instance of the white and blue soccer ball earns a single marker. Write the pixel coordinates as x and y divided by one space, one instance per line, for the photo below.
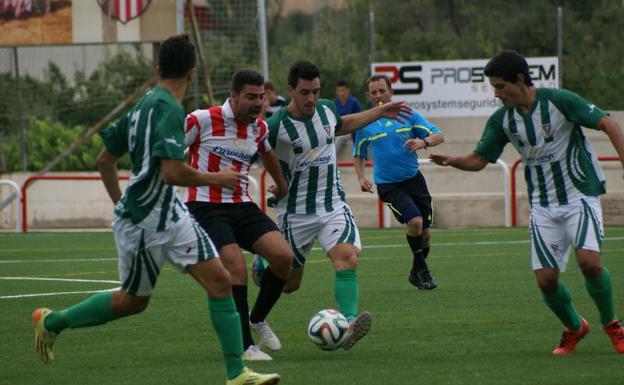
258 266
328 329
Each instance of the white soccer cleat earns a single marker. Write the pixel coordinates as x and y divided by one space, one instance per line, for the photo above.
253 353
44 339
359 327
267 337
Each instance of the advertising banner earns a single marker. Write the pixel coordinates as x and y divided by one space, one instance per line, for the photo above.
457 87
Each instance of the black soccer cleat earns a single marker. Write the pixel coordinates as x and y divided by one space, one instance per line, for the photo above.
423 280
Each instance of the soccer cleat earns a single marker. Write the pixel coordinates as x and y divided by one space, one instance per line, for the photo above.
249 377
253 353
570 338
358 328
615 331
44 339
267 337
423 280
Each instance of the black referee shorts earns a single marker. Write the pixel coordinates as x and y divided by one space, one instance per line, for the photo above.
408 199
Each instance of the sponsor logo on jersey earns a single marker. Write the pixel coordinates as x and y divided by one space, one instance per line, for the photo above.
313 158
540 158
591 108
236 155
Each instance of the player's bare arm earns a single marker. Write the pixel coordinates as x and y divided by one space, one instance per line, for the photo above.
470 162
176 172
271 164
614 132
107 165
430 141
359 165
393 110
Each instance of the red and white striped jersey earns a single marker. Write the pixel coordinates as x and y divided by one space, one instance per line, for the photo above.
216 141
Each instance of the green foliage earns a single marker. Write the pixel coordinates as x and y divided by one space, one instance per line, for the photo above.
414 30
47 139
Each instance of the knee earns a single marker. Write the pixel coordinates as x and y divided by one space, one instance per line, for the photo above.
548 285
291 287
125 305
346 263
590 270
282 264
414 226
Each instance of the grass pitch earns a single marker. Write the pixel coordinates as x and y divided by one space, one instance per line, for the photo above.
484 324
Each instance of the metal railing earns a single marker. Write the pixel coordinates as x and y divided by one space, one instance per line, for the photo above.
18 207
383 212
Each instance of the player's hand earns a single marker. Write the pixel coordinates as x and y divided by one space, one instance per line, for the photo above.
415 144
441 159
230 178
277 192
397 110
366 185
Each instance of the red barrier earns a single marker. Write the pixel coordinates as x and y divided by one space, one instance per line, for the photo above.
33 178
340 164
514 206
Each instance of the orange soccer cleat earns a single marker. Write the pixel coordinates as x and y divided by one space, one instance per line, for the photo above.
570 338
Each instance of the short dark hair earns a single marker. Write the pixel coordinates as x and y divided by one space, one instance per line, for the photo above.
302 69
269 86
342 83
246 76
375 78
176 57
507 65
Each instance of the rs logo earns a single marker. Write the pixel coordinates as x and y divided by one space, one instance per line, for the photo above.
403 75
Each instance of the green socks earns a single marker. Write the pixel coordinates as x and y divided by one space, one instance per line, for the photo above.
560 302
95 310
599 289
226 322
346 292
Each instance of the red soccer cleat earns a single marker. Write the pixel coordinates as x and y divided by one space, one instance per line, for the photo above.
615 331
570 338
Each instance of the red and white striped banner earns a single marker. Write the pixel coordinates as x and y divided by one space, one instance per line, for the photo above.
124 10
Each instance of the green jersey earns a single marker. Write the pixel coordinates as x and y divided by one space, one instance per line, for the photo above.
560 166
152 129
307 155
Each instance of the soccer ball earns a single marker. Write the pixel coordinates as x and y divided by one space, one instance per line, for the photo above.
258 266
328 329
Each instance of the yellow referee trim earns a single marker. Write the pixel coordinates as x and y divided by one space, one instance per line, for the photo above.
424 128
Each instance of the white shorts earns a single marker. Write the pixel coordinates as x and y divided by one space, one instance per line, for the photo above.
301 230
554 229
143 252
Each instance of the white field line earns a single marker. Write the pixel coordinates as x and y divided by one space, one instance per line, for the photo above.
57 279
434 244
56 293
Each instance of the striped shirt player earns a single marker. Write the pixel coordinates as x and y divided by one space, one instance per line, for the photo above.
564 183
151 225
560 167
231 136
308 160
150 211
315 205
314 208
217 141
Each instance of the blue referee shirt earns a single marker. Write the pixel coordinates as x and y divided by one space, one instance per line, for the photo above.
392 159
